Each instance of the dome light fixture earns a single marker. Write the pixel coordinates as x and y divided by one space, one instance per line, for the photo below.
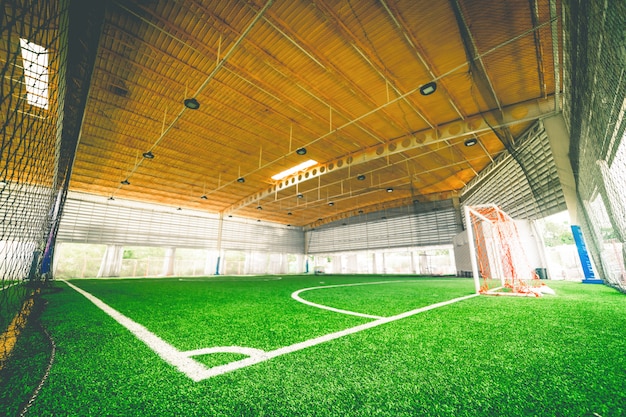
148 155
360 177
300 195
301 151
331 203
289 214
192 103
125 182
241 180
390 190
428 89
259 208
204 197
471 142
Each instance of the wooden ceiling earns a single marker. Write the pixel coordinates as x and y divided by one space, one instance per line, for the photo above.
340 79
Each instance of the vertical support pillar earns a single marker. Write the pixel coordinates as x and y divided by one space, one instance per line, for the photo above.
284 263
247 262
559 138
414 263
374 264
384 262
209 263
168 262
220 227
111 264
337 264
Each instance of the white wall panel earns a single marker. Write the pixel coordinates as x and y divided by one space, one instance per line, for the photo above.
90 219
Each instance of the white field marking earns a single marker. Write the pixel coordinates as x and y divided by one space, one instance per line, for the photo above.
295 296
9 286
167 352
198 372
222 369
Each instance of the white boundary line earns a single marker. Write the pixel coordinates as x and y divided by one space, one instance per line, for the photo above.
198 372
296 297
9 286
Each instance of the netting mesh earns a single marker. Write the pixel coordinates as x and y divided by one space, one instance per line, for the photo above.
498 251
594 107
31 91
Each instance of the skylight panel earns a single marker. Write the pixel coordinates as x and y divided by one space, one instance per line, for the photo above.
293 170
35 59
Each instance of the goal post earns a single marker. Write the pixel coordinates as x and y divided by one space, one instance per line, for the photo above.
499 262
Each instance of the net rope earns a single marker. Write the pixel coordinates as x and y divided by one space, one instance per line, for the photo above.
595 110
499 252
31 107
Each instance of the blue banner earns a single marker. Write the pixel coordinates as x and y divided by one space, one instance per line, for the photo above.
582 252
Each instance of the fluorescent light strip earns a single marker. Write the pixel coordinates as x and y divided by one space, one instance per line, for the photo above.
35 59
293 170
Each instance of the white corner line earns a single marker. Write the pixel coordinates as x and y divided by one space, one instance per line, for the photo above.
198 372
167 352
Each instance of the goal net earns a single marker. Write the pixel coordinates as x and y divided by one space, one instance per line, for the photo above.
499 263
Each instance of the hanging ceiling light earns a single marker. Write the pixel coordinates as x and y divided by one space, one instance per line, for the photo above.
192 104
111 198
301 151
289 214
125 182
204 197
241 180
360 177
259 208
471 142
428 89
331 203
148 155
300 195
390 190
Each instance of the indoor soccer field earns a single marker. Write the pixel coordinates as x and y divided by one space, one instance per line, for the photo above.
555 355
332 208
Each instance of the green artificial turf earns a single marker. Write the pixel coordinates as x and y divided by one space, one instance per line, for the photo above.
486 356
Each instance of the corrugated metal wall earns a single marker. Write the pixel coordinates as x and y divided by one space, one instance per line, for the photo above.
526 188
89 219
422 225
